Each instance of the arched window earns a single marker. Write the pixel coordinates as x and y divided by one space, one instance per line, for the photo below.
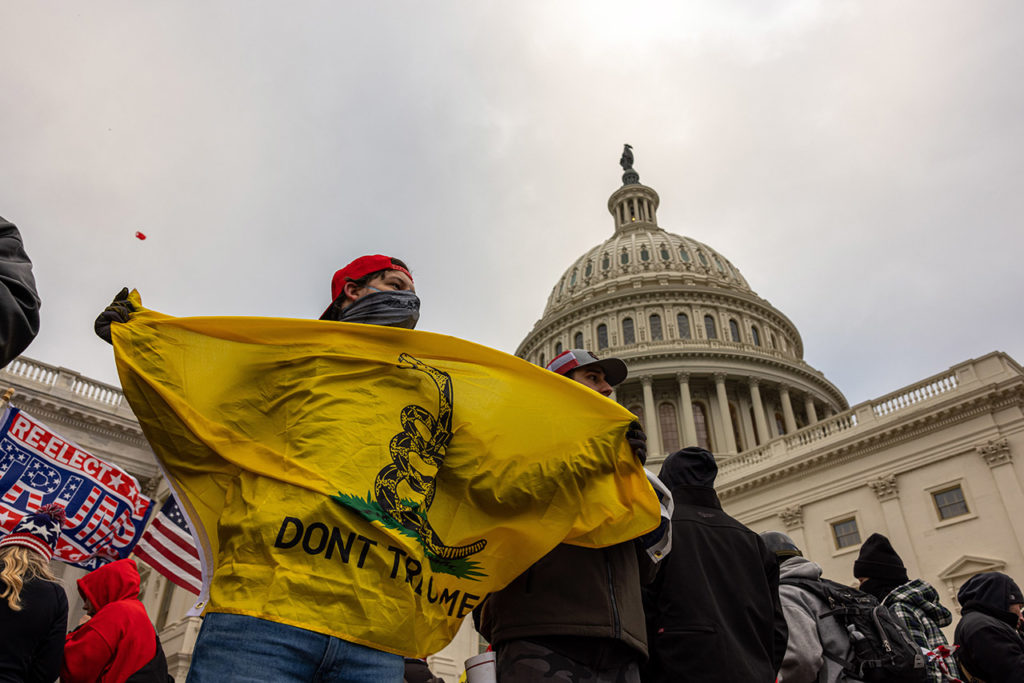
656 334
577 341
703 428
756 335
718 264
709 327
589 270
737 432
703 259
683 323
771 341
558 348
665 256
734 330
685 255
644 254
780 424
624 257
602 336
628 333
606 262
572 279
669 427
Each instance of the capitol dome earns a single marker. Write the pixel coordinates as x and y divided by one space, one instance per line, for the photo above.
711 363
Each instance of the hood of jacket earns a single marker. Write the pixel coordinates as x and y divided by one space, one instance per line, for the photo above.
922 596
799 568
689 467
115 581
992 593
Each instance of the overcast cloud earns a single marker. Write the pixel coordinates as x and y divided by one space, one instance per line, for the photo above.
860 163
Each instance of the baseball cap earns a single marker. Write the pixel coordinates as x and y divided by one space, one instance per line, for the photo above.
361 267
614 369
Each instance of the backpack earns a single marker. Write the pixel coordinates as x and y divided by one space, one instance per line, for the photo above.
881 651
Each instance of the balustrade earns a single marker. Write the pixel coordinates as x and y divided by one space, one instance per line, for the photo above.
37 372
922 391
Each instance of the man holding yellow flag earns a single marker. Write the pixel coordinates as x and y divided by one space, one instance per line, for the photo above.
577 614
357 489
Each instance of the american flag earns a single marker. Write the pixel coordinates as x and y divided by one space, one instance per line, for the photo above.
168 547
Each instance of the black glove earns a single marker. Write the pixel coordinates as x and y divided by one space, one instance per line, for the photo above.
119 311
637 441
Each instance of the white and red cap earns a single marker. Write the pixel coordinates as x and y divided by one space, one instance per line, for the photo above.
614 369
38 530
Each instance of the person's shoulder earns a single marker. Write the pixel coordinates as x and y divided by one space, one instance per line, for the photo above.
129 608
45 587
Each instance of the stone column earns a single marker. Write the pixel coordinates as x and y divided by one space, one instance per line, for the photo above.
888 494
755 398
723 413
787 409
997 456
689 428
812 414
793 519
651 413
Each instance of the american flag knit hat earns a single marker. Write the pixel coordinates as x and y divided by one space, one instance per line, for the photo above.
38 530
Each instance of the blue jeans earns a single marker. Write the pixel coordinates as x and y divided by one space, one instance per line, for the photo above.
233 647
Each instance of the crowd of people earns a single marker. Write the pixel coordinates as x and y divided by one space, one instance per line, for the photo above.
700 598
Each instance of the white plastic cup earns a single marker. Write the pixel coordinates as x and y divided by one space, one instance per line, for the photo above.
481 669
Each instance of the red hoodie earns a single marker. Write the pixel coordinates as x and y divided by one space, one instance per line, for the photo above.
119 639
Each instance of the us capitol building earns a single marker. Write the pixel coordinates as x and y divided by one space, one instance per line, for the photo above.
931 465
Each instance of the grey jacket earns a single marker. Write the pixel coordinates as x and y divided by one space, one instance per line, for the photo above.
809 637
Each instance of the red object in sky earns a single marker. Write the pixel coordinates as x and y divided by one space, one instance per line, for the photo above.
140 235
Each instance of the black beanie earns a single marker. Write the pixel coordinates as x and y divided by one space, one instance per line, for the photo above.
877 560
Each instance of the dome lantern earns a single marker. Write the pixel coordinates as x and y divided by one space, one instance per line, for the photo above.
633 206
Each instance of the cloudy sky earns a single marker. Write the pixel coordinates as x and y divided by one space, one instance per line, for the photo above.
862 163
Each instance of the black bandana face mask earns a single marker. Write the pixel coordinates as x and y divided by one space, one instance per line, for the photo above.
393 308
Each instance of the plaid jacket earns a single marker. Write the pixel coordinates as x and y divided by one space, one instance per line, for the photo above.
917 605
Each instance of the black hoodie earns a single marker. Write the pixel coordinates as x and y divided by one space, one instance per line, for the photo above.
991 647
714 614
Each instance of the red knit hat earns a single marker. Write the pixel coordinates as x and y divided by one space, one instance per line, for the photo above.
38 530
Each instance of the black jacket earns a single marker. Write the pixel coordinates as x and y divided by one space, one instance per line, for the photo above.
991 647
569 594
19 303
32 639
714 613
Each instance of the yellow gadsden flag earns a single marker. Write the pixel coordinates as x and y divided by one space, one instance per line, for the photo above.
368 482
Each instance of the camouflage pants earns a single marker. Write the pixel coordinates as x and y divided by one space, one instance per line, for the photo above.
520 661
